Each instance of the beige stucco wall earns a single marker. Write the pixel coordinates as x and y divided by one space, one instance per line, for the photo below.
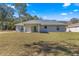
50 28
53 28
72 29
29 28
18 28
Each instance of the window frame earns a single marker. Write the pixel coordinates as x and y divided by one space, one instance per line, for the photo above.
45 27
57 28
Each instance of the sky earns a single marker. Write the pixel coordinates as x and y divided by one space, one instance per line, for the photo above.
54 11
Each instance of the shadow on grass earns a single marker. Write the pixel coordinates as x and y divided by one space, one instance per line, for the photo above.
44 48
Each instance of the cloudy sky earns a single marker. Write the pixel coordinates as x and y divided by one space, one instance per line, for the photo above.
54 11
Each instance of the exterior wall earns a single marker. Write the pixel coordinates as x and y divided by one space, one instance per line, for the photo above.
19 28
51 28
73 29
30 28
25 29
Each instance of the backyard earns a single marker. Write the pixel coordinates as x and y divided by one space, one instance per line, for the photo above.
18 43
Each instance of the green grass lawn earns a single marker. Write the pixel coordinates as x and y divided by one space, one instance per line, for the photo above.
12 43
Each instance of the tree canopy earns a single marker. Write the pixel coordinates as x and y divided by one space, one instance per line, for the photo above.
7 18
74 20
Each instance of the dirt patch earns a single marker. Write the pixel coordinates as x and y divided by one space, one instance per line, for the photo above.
45 48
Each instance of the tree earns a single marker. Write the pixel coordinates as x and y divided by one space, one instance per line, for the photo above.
6 13
35 17
23 16
74 20
21 8
7 19
28 17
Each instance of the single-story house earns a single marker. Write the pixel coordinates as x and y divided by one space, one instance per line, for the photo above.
73 28
41 26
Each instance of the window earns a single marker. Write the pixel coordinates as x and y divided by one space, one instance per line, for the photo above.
22 29
45 27
35 30
57 28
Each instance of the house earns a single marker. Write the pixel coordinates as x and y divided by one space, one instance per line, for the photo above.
41 26
73 28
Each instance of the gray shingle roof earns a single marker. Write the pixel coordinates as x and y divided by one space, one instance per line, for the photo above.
44 22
